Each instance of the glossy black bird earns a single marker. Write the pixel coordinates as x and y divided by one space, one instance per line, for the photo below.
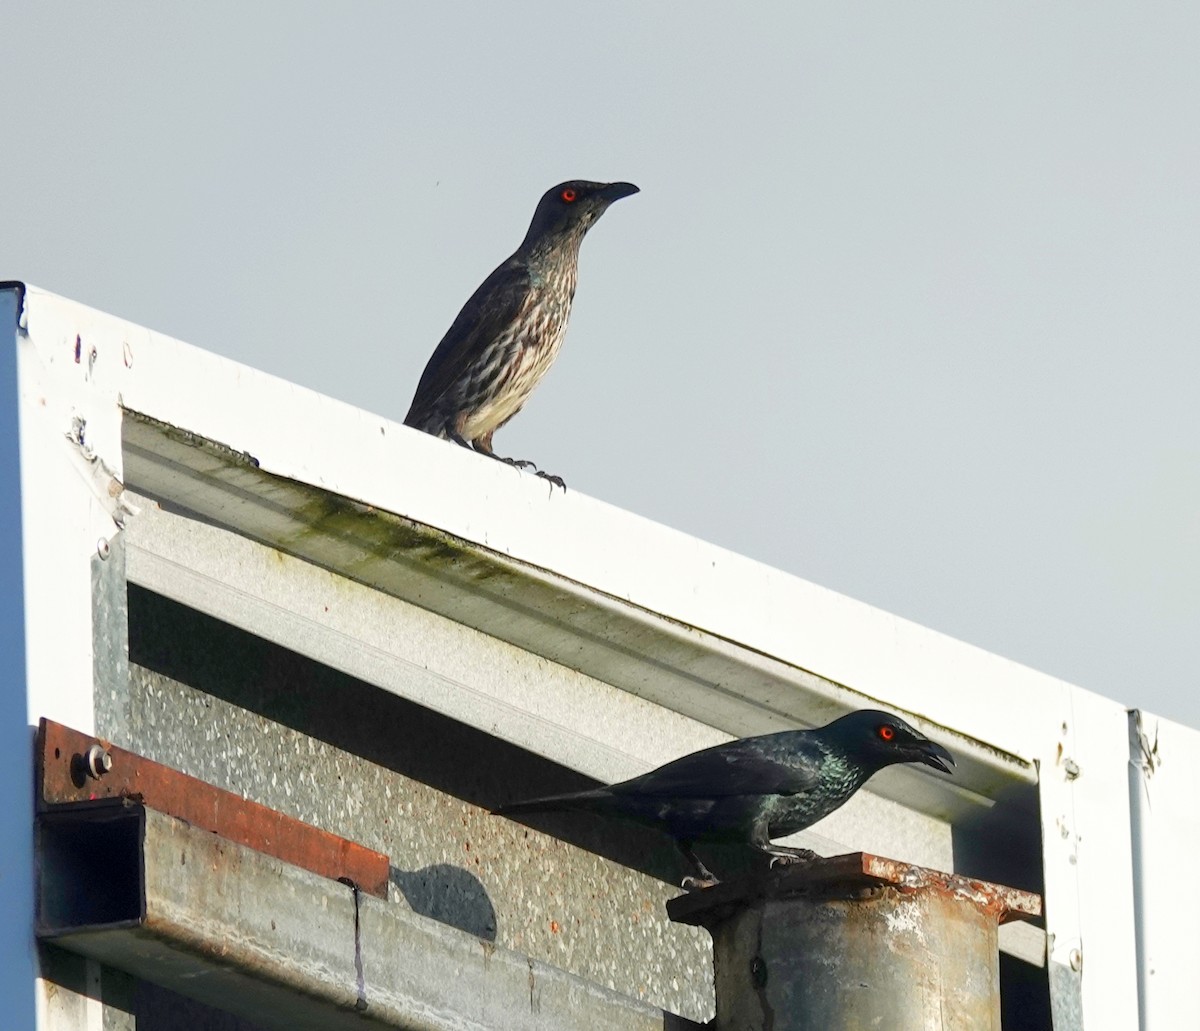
508 334
758 788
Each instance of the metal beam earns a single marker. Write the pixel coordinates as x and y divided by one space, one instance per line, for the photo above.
76 768
250 934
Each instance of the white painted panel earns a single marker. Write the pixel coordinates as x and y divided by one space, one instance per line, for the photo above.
1164 786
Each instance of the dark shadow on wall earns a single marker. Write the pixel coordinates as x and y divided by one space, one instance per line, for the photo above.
449 895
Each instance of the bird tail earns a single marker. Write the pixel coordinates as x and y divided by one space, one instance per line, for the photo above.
588 801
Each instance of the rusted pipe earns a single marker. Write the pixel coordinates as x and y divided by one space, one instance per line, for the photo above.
854 942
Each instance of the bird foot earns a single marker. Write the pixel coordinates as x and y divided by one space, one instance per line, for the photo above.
698 883
516 463
523 463
792 857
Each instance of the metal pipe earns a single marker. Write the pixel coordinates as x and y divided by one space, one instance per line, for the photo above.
855 942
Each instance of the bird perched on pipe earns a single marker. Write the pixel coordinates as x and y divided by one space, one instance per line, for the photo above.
510 330
758 788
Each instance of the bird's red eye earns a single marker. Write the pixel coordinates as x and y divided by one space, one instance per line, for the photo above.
887 732
568 195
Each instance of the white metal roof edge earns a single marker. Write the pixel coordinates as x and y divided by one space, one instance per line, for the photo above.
300 434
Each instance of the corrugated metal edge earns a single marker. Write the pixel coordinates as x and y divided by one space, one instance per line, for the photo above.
790 695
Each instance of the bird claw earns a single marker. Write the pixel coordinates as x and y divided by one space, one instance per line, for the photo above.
517 463
792 857
698 883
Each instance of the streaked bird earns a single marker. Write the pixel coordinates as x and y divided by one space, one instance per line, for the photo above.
758 788
508 334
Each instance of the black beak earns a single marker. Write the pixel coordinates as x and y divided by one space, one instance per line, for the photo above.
933 754
615 191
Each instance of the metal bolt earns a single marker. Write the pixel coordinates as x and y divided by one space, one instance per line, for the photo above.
758 971
98 762
1070 768
1076 958
102 548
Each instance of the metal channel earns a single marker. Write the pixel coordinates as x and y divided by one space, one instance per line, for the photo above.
76 768
250 934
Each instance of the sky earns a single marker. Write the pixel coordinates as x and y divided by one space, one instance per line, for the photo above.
907 305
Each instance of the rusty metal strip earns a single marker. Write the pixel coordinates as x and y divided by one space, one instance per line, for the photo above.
1007 903
850 874
73 768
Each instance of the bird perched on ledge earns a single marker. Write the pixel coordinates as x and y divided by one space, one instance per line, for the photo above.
508 334
758 788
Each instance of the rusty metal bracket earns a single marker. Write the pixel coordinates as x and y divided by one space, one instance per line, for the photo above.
849 876
73 769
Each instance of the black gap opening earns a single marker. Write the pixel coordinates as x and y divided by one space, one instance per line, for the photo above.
1003 844
90 867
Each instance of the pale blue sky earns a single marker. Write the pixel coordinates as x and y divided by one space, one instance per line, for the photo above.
908 305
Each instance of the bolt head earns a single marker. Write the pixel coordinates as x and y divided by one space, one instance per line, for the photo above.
99 762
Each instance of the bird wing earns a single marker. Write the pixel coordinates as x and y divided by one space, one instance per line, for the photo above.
491 309
737 768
